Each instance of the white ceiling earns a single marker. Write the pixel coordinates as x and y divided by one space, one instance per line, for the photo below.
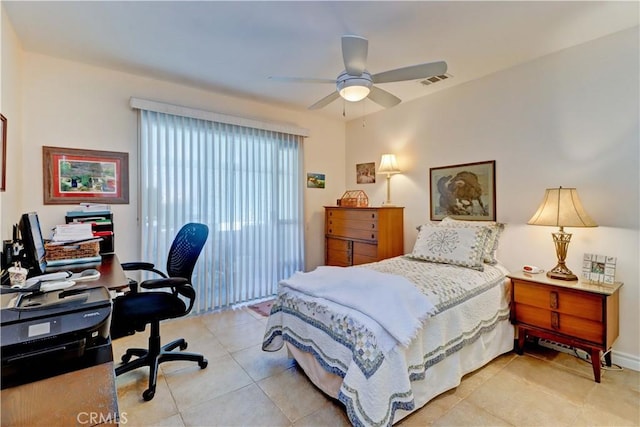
233 47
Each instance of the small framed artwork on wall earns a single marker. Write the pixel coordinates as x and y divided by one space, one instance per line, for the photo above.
315 180
466 191
366 173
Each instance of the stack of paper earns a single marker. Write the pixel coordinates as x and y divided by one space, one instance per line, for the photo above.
72 232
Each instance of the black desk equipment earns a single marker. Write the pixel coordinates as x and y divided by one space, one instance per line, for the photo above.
44 334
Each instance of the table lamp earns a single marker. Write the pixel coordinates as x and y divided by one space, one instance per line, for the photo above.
561 207
388 165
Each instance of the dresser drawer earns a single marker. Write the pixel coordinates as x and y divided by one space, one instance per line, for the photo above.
572 326
357 214
579 304
364 253
352 233
354 224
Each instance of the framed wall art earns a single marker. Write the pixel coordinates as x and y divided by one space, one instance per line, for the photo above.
466 191
3 153
73 176
366 173
315 180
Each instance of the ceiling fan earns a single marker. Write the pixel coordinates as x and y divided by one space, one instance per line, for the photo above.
355 83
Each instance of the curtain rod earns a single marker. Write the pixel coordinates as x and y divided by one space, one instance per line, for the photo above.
177 110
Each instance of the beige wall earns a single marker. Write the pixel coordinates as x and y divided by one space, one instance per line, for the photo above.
568 119
11 108
68 104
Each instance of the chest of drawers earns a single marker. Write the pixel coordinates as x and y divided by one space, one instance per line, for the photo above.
360 235
580 314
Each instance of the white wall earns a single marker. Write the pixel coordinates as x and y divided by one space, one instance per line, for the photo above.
569 119
67 104
11 108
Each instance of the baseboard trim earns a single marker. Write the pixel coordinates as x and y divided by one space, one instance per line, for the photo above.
626 360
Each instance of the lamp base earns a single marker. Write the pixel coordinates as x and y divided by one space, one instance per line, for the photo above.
561 272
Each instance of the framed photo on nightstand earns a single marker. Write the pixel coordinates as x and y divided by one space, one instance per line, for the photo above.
599 268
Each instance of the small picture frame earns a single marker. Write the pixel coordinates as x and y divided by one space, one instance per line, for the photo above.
599 268
315 180
366 173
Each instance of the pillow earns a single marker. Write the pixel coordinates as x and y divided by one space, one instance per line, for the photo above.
495 228
463 246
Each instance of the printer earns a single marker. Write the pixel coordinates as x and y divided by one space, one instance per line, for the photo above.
44 334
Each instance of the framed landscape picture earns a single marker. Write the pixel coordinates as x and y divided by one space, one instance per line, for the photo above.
466 191
73 176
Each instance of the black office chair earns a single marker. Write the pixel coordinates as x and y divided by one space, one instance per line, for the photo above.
134 310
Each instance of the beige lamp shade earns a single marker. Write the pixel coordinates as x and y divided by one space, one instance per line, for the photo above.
388 164
561 207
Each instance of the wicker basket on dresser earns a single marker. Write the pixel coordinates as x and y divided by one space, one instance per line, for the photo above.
360 235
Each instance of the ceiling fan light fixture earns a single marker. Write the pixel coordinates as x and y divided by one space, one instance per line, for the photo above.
354 89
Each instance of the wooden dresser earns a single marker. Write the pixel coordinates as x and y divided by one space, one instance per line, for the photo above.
361 235
579 314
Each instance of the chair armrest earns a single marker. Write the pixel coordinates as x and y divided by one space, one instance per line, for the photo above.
169 282
147 266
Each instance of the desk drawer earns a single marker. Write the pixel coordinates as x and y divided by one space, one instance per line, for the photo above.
575 303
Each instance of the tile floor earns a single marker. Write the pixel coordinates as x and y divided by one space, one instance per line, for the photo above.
244 386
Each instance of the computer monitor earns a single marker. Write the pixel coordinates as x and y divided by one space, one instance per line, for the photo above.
33 243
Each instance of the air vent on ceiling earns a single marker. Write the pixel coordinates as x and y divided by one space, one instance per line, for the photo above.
435 79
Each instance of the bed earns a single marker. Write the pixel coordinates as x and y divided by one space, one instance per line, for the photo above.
385 338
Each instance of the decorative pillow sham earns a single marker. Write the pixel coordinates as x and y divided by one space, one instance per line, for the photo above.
495 228
463 246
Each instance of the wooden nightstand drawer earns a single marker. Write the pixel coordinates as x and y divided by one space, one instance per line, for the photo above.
572 326
579 304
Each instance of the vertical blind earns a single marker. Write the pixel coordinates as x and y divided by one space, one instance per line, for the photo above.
244 183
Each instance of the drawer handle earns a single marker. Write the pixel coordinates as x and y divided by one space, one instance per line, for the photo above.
373 236
330 231
555 320
553 300
373 226
373 216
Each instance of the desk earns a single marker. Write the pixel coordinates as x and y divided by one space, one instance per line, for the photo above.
83 397
111 277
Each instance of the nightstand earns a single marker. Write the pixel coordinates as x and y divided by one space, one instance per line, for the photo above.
580 314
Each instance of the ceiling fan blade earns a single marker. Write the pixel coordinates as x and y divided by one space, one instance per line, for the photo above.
413 72
325 101
354 54
301 80
382 97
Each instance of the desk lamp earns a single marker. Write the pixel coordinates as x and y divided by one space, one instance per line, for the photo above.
561 207
388 165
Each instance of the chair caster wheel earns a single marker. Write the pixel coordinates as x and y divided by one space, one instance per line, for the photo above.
203 364
125 358
184 347
148 394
